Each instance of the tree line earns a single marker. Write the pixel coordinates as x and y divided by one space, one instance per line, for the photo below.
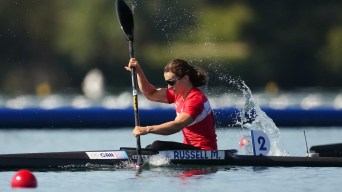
292 43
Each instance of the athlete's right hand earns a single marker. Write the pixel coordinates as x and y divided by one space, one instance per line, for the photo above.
132 63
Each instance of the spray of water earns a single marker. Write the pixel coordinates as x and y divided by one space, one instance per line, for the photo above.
158 161
133 4
249 115
172 19
253 117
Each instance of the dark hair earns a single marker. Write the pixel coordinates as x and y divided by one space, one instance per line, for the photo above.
181 68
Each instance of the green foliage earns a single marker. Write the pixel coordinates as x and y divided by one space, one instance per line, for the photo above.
223 23
332 51
286 41
84 30
294 43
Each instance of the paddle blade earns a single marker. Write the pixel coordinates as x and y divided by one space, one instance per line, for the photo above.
125 17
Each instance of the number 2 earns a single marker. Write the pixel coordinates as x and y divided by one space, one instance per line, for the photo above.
262 141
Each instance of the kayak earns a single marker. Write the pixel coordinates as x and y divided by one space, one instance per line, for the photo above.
127 156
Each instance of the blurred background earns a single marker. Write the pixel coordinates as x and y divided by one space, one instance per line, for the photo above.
48 47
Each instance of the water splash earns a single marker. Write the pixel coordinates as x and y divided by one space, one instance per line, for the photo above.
172 19
158 160
249 115
133 4
252 117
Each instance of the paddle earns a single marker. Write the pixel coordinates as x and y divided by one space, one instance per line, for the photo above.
125 17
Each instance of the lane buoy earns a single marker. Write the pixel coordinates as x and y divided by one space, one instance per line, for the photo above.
24 179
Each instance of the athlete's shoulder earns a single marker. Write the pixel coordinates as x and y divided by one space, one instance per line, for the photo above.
198 94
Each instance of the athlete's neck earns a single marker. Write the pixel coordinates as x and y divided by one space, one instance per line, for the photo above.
186 92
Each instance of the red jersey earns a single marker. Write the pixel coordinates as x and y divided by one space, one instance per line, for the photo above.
201 132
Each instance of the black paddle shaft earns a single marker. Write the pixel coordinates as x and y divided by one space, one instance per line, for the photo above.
135 102
126 20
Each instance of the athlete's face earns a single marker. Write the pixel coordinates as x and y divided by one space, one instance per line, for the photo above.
173 82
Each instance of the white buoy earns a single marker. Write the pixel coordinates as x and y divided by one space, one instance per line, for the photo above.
93 84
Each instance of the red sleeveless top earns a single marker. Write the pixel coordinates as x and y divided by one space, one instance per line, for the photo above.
201 132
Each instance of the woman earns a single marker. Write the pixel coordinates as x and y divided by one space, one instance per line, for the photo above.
194 115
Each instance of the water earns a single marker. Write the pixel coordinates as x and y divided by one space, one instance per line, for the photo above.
172 178
285 141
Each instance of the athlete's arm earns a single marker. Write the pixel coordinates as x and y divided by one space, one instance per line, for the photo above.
147 89
182 120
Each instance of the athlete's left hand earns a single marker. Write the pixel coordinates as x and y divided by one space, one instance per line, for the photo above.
138 130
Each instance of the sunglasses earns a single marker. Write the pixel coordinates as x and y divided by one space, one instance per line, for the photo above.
172 82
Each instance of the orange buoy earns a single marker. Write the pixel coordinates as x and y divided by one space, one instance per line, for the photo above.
24 179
